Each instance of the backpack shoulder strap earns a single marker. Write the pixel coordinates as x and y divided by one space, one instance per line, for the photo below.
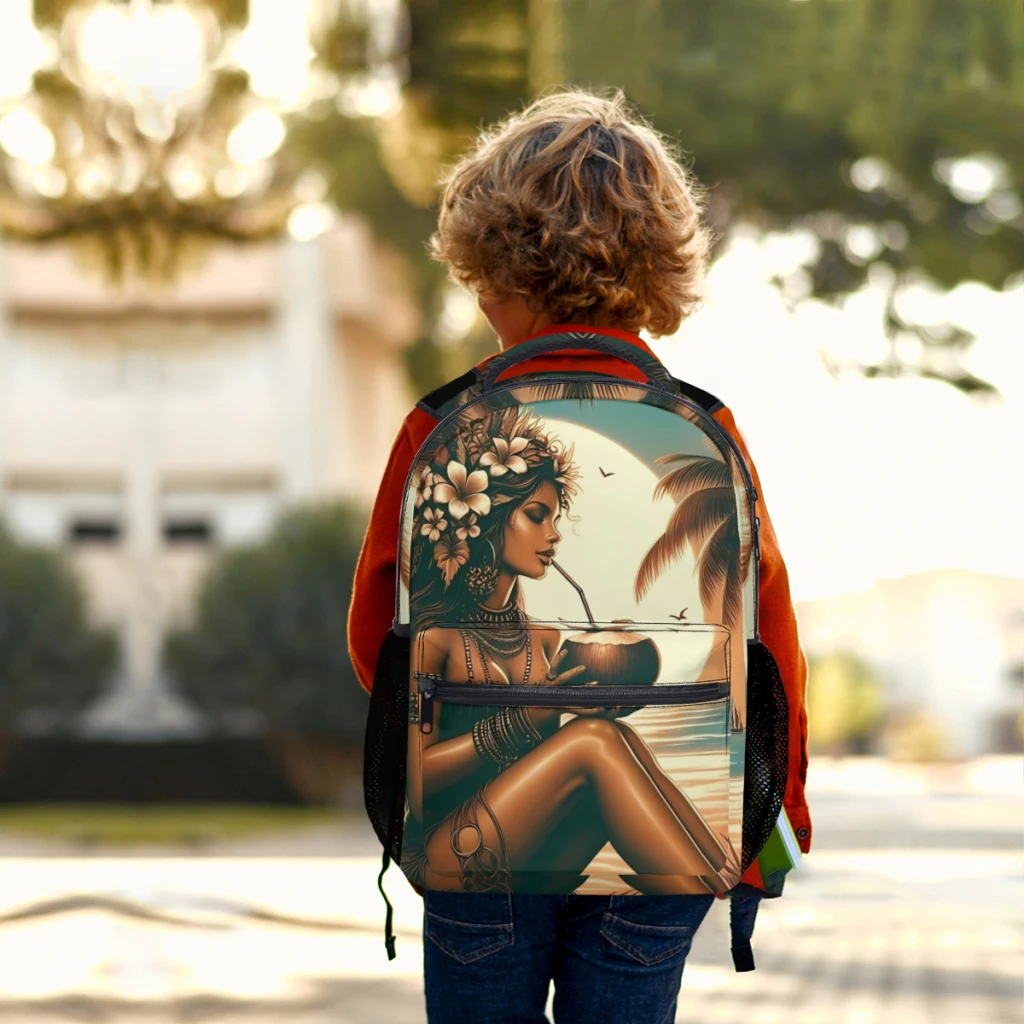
433 402
707 401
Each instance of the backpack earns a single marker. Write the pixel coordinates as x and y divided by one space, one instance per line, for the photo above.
556 520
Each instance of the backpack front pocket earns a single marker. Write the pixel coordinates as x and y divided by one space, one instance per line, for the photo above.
544 786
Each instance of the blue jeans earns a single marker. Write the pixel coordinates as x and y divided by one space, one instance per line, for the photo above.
489 957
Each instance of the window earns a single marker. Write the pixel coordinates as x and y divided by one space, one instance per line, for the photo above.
188 531
94 530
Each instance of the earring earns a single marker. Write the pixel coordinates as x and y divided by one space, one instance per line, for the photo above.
482 576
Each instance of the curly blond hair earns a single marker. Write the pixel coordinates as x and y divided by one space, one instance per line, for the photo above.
578 205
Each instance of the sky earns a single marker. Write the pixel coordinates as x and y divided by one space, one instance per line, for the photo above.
862 479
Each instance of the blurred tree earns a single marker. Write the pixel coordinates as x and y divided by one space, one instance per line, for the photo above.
467 63
915 734
53 664
844 704
893 130
268 646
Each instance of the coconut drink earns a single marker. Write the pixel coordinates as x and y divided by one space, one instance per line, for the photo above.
613 655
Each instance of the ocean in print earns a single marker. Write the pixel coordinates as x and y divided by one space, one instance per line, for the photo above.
692 746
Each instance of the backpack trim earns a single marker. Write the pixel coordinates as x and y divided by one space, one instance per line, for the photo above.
432 402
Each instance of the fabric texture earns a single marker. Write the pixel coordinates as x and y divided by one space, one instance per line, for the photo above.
489 957
372 608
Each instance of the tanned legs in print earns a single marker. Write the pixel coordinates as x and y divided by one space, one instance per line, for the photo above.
652 825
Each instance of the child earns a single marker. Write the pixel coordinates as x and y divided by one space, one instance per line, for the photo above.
572 214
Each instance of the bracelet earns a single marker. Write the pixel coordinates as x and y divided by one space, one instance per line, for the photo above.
485 740
523 716
481 741
503 738
510 744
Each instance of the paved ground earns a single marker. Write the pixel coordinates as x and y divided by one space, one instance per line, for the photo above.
909 911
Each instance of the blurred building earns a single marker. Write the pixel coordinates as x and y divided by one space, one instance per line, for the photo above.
949 643
141 432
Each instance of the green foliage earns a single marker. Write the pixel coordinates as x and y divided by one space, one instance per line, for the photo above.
776 101
53 664
844 703
165 824
837 116
270 631
822 114
470 59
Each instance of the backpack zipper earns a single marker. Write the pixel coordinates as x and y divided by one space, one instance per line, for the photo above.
557 696
519 382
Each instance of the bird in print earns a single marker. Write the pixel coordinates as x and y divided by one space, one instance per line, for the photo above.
680 616
603 473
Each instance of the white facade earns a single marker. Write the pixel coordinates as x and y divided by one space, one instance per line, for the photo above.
946 642
142 431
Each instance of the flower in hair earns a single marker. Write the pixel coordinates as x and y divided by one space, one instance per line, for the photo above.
434 523
425 480
464 492
469 529
505 457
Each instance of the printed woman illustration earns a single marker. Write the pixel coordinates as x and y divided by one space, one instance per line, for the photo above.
510 800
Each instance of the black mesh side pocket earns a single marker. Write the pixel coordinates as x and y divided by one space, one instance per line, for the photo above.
767 750
385 749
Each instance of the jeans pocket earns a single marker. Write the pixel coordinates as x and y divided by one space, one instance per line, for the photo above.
652 930
468 926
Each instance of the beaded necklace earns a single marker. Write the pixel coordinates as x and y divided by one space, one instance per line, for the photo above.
505 633
483 656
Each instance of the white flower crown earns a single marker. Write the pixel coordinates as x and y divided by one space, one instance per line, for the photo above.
485 448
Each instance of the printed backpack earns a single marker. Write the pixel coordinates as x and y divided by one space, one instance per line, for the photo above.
573 696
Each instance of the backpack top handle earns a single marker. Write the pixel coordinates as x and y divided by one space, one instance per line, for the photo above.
655 372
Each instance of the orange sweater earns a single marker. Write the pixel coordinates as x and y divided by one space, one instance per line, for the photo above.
373 597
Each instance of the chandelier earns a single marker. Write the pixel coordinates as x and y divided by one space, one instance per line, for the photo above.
147 130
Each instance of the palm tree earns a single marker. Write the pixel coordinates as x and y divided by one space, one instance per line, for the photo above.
707 516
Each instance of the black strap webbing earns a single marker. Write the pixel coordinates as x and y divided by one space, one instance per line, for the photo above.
432 402
742 913
698 396
389 938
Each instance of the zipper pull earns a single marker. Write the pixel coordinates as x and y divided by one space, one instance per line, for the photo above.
426 705
757 537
